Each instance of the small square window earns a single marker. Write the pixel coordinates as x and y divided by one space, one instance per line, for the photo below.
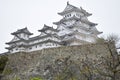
30 48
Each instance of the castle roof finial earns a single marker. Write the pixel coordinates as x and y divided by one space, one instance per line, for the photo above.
67 2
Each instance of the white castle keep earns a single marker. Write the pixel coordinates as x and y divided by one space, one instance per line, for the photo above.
73 29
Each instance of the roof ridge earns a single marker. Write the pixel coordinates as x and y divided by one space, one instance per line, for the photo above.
22 30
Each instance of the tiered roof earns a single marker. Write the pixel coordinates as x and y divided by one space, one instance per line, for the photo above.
19 31
70 8
47 34
77 19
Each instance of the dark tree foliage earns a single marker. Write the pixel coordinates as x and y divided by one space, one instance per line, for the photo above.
3 61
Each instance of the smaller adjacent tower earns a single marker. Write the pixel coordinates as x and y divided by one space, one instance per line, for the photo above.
49 37
20 41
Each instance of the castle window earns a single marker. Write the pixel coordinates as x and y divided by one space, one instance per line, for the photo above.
30 48
78 15
69 34
70 14
67 15
36 46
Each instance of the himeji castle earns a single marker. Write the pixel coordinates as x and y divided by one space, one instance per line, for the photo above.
73 29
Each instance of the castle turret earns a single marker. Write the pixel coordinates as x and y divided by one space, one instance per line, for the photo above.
22 34
47 30
20 40
49 37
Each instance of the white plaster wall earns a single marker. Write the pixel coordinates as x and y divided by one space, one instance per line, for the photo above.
43 39
15 38
20 43
42 46
62 30
24 36
16 49
70 22
78 14
50 32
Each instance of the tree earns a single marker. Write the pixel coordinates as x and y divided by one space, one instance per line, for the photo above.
113 38
109 66
109 38
3 61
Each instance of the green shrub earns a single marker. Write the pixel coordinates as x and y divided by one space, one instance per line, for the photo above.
3 61
36 78
7 71
16 78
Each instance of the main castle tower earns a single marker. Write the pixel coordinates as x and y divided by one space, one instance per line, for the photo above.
75 28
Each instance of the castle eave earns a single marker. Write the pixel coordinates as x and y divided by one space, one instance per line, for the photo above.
9 48
14 33
47 28
24 30
64 19
99 33
89 23
96 32
11 42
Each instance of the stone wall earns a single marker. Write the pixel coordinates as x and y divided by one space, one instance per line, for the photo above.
27 65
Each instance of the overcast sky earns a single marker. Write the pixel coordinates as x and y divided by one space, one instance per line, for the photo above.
33 14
